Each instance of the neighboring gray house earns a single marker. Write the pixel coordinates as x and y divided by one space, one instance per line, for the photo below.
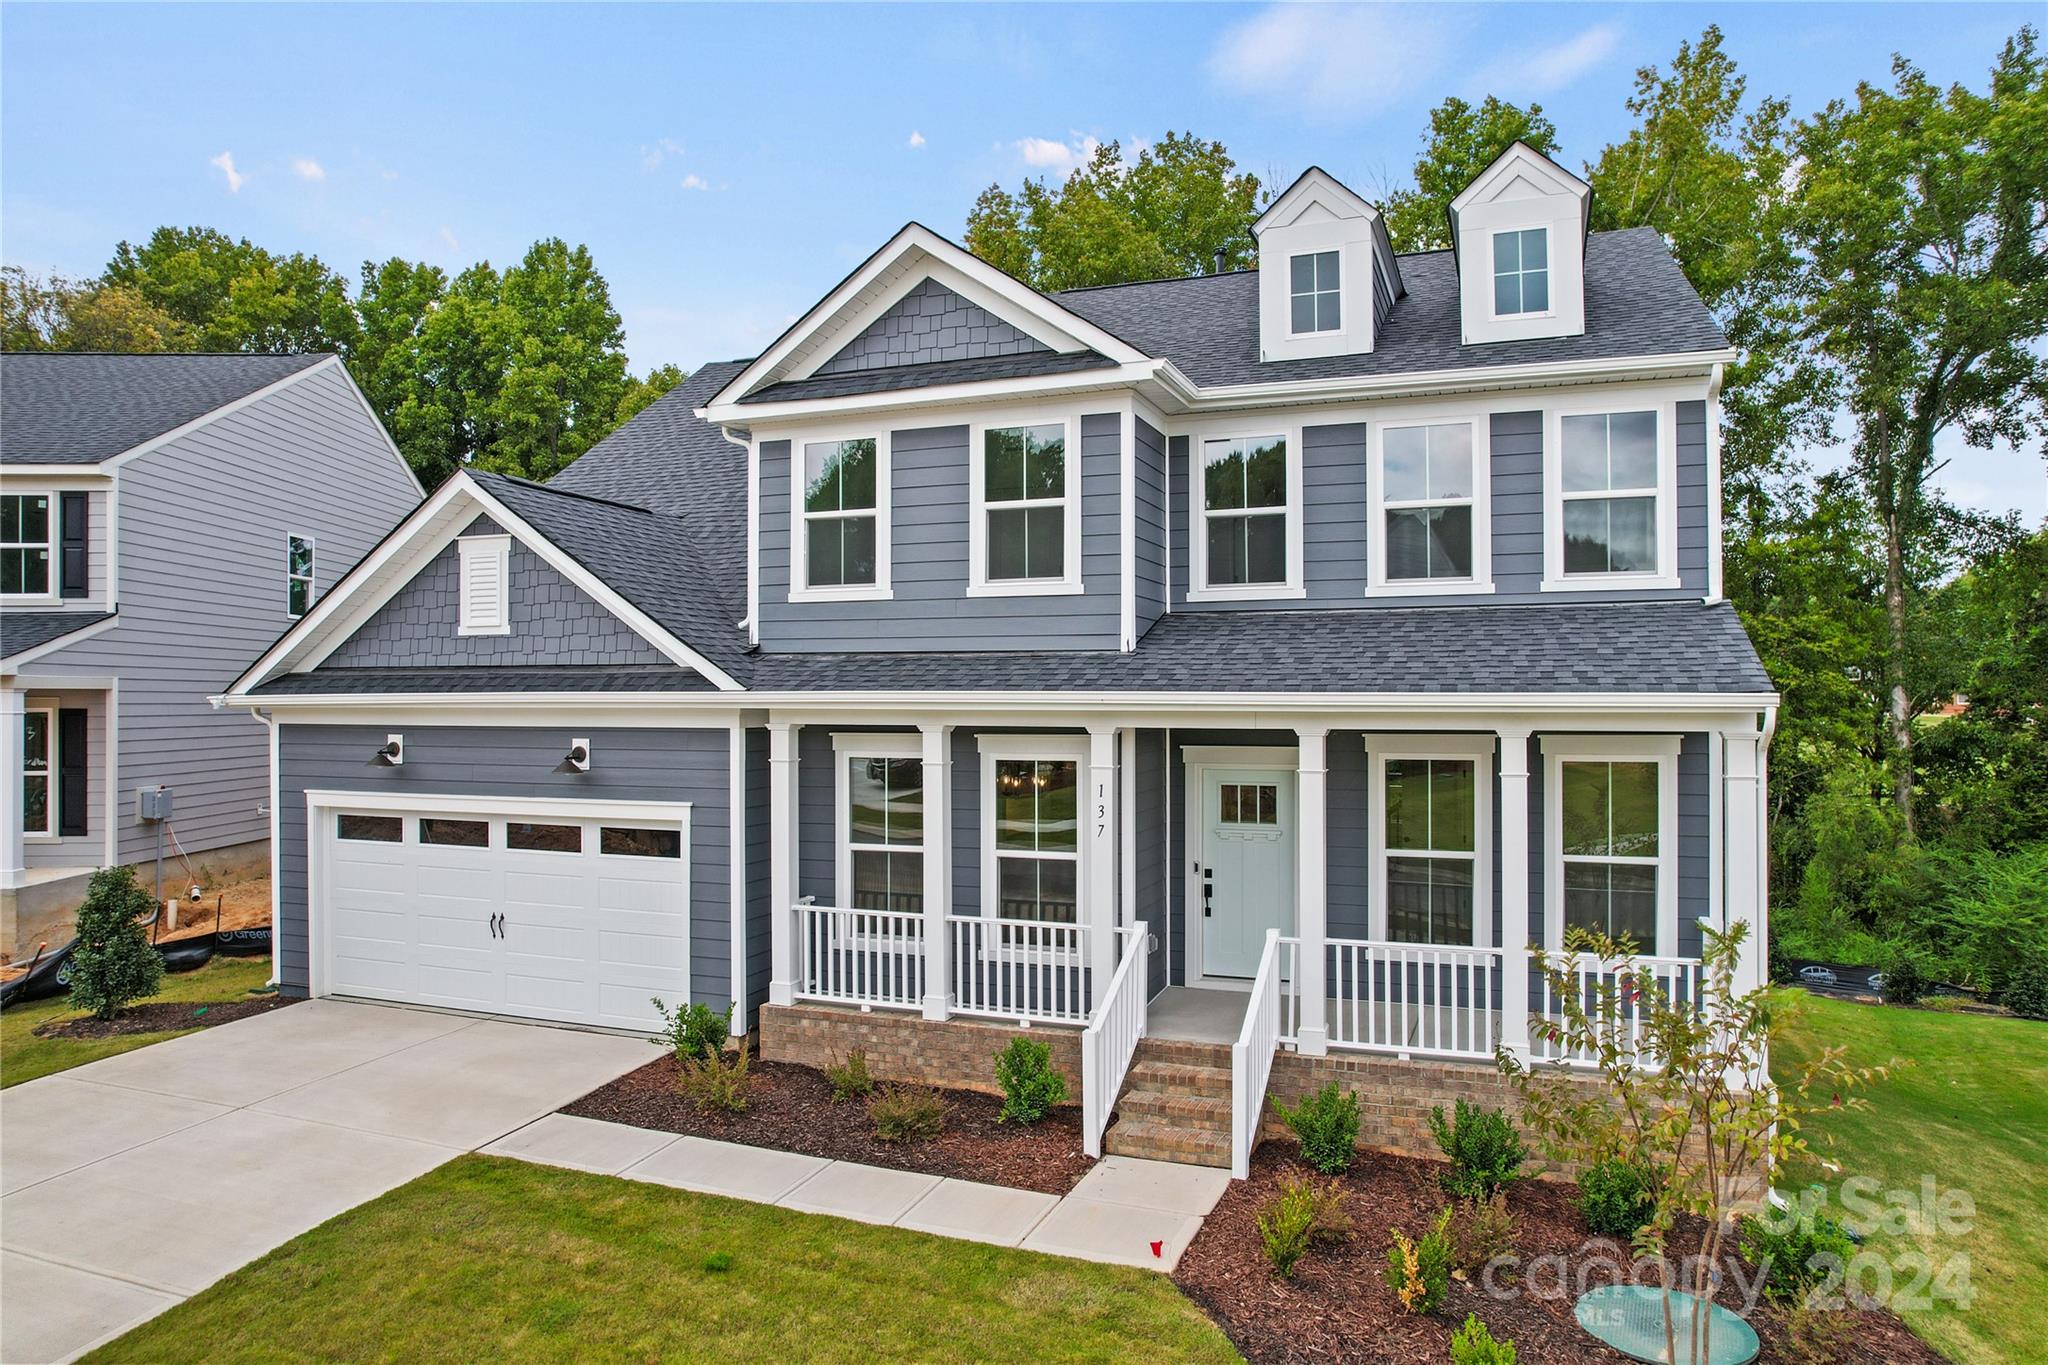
162 519
1350 624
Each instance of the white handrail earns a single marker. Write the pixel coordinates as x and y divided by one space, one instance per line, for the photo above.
1111 1039
1681 980
860 957
1251 1058
1019 969
1414 998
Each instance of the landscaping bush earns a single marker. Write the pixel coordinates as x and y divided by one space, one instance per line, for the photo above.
1485 1150
694 1031
1031 1085
1904 981
1419 1272
715 1083
1305 1213
1795 1250
1817 1336
850 1079
1481 1229
907 1113
1615 1198
113 962
1472 1344
2026 993
1326 1124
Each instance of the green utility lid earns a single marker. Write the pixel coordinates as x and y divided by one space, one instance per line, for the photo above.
1630 1318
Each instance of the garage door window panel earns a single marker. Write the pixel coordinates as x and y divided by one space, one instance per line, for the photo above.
369 829
456 833
530 838
628 841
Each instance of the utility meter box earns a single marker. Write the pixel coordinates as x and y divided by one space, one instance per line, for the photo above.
153 804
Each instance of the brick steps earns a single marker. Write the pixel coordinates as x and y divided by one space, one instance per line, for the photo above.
1175 1105
1165 1142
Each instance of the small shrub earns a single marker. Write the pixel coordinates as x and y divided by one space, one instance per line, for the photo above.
715 1083
718 1262
850 1079
1472 1344
1481 1229
1817 1336
113 963
1795 1251
1419 1272
1326 1124
1031 1085
2026 992
1615 1198
907 1113
1285 1226
1904 980
1485 1150
694 1031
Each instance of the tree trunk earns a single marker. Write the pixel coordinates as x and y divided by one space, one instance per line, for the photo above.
1900 711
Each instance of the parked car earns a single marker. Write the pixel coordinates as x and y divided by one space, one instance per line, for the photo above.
1817 976
1876 982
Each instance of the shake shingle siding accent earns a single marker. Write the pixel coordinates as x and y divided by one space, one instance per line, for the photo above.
930 323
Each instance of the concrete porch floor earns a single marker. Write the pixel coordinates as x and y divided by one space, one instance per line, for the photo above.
1192 1014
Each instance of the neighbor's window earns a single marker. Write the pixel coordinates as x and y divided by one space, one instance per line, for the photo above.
1611 862
1037 839
840 521
1432 851
36 735
25 526
1244 510
1314 298
1024 496
885 833
298 570
1610 492
1521 272
1426 491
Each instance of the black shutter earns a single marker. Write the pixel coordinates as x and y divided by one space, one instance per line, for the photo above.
72 763
74 572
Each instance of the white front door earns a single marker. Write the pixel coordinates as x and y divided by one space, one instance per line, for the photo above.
1247 860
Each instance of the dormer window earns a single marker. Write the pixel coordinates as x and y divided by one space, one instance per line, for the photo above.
1521 272
1316 298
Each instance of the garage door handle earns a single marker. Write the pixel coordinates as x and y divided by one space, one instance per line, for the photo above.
494 925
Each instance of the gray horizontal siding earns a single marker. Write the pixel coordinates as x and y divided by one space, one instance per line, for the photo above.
628 765
760 950
931 323
1148 505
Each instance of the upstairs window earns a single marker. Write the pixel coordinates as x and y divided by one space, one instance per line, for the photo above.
841 517
1521 272
298 575
486 585
1609 490
25 544
1315 299
1428 496
1244 512
1027 512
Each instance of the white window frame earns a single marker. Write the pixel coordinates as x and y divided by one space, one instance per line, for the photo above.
51 821
308 578
1549 273
473 547
1292 294
1198 515
53 546
886 747
1555 579
1662 750
1476 749
1041 748
979 584
800 589
1377 505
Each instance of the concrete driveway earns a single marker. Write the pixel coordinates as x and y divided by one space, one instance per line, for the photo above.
134 1182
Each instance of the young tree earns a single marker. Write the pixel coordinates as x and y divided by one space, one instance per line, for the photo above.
236 296
113 962
1462 141
641 392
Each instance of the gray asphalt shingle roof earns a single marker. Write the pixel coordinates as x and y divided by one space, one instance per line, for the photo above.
896 378
58 408
24 630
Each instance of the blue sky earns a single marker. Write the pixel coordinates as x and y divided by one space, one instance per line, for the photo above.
728 164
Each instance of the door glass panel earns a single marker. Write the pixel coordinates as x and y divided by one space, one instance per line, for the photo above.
544 838
369 829
456 833
627 842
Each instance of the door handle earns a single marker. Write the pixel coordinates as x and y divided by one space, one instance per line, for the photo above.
497 926
1208 894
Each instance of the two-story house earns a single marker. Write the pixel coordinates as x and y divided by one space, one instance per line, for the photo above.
1261 660
162 519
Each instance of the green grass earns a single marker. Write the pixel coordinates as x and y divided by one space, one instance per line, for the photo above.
489 1259
23 1056
1972 1112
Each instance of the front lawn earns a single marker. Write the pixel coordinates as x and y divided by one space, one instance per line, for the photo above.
24 1056
489 1259
1972 1113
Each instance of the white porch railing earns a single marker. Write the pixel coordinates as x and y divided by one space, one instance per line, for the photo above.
1682 980
1251 1058
860 957
1111 1039
1027 970
1414 999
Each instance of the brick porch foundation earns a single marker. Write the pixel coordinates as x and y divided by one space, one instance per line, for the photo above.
959 1054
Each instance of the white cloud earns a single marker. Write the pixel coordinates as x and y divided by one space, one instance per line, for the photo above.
1047 154
306 168
225 162
916 138
693 181
1555 67
1330 61
653 154
448 236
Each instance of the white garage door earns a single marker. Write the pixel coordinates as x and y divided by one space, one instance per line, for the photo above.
568 913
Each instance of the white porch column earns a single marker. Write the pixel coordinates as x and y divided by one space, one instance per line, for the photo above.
938 869
1742 809
1311 887
11 865
1099 816
1516 932
782 850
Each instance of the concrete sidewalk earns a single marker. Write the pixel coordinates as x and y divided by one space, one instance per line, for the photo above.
1116 1214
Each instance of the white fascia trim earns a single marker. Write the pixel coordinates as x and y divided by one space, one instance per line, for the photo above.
1313 184
979 584
1715 510
247 399
1249 425
1424 383
1053 388
437 803
1481 582
799 539
1666 576
55 478
48 647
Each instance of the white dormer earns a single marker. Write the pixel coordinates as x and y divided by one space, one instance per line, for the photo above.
1519 231
1319 248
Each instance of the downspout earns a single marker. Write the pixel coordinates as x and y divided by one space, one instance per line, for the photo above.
747 622
269 722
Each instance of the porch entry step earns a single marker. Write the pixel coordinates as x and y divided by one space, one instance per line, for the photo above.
1167 1142
1180 1078
1182 1111
1175 1105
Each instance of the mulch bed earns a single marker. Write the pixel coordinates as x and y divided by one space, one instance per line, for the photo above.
790 1108
1337 1307
161 1017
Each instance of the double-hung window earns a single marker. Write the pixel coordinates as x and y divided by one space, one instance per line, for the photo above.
1430 487
1314 294
1521 272
1246 499
1034 834
1610 491
1432 839
27 527
1614 831
1026 532
881 823
38 771
843 538
298 575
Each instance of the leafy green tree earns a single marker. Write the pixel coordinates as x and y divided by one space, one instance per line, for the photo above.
641 391
1111 221
236 296
566 364
1462 141
58 314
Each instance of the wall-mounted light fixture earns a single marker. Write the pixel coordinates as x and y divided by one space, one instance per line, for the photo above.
391 755
578 759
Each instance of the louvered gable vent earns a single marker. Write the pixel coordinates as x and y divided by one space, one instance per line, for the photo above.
485 587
